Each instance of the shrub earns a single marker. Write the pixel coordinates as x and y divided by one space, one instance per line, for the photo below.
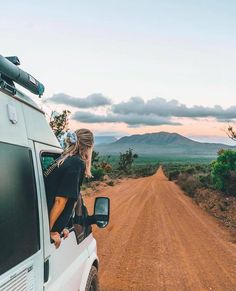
145 170
206 180
173 175
98 174
105 166
110 183
190 170
189 183
126 160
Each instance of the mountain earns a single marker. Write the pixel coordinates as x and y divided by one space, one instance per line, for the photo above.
163 144
102 139
160 138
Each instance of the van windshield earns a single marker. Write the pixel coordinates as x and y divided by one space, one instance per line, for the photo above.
19 226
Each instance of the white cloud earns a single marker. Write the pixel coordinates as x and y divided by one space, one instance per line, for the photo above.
91 101
133 120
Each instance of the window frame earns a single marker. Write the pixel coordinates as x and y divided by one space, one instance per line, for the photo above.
87 230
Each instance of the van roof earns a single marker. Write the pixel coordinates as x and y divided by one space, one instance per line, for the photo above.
31 122
23 98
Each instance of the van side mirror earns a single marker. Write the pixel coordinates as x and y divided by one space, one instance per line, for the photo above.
102 211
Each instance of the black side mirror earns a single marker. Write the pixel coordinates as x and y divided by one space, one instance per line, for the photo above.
102 211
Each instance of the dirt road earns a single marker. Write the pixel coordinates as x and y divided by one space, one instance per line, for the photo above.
158 239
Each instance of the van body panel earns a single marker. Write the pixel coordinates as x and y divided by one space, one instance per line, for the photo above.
23 98
92 258
67 270
92 245
38 128
28 273
12 133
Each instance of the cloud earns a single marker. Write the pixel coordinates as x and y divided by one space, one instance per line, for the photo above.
161 107
132 120
91 101
137 111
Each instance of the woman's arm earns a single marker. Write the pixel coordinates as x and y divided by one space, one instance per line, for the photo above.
88 163
58 207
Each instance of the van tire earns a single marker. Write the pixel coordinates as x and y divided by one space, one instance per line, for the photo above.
93 282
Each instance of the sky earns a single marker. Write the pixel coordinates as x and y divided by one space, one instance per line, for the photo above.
127 67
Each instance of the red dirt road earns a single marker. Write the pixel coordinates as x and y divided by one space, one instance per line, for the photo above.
158 239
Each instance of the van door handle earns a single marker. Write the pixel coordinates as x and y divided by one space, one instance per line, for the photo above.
46 270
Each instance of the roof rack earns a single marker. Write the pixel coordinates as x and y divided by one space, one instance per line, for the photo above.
10 73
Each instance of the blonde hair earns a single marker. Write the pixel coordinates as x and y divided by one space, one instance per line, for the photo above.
85 141
82 147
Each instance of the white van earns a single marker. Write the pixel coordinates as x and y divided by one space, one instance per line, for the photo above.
28 259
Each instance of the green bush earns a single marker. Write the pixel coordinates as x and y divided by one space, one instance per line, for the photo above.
98 174
223 170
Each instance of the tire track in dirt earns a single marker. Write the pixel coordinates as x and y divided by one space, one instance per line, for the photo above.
158 239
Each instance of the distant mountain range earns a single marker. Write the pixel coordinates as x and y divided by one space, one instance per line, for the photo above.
104 139
162 144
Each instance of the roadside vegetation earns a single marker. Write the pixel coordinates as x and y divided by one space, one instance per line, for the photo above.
124 167
212 186
108 174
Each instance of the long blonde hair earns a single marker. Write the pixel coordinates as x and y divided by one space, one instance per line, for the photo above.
84 143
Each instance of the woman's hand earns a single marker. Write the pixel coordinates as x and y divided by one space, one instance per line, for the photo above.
65 233
55 236
88 174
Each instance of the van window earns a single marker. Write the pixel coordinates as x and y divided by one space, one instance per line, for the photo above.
47 159
81 230
19 224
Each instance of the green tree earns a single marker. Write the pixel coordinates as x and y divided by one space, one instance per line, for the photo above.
222 169
126 160
95 158
59 122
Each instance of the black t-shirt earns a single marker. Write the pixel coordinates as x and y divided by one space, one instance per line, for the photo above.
65 181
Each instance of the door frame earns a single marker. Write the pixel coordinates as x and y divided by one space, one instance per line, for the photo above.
39 148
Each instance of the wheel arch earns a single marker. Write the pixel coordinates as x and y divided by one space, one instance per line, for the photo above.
96 264
92 261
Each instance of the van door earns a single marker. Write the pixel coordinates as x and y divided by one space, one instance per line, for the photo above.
64 266
21 255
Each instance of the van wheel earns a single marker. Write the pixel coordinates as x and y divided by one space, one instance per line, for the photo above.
92 283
